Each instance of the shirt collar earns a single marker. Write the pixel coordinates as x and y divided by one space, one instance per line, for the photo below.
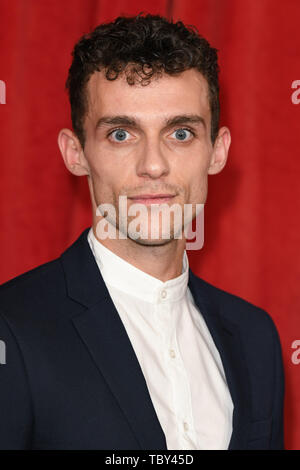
125 277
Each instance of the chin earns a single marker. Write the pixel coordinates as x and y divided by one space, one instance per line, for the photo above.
152 242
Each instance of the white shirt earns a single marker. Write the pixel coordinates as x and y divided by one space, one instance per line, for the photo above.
180 362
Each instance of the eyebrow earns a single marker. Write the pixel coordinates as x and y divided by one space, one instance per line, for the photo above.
124 120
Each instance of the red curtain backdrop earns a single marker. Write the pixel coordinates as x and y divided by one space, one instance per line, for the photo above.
252 223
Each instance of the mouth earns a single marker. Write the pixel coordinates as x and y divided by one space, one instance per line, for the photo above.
152 198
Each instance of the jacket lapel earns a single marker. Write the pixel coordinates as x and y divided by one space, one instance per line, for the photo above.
105 336
227 339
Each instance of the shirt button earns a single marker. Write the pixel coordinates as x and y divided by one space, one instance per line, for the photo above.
172 353
163 294
186 426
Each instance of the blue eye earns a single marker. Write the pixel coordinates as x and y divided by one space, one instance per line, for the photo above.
181 134
120 134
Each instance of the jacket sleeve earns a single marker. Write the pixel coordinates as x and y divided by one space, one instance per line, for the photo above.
277 437
15 398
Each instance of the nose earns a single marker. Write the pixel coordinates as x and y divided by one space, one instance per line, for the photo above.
151 162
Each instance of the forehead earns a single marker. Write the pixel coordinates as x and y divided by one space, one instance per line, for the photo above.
184 93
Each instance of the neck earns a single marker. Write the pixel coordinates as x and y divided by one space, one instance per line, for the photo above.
146 257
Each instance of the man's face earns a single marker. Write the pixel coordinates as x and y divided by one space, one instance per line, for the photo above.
139 152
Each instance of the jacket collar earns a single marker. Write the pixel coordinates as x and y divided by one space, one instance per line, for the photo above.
227 338
100 327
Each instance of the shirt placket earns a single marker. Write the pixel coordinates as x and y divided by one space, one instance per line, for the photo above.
177 374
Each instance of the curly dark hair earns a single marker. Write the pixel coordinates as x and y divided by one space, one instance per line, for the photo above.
140 46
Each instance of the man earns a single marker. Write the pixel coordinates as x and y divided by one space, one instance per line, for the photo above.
117 344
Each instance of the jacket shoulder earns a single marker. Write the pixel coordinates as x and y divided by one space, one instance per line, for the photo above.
32 291
234 308
29 276
41 293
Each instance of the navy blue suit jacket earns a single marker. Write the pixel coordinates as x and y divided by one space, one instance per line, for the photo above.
71 379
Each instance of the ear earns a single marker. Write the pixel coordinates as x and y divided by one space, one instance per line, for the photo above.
72 153
220 151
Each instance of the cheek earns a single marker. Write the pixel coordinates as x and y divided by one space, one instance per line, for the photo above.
195 172
102 170
199 188
102 183
108 181
198 183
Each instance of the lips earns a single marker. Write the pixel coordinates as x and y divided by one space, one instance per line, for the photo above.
152 198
